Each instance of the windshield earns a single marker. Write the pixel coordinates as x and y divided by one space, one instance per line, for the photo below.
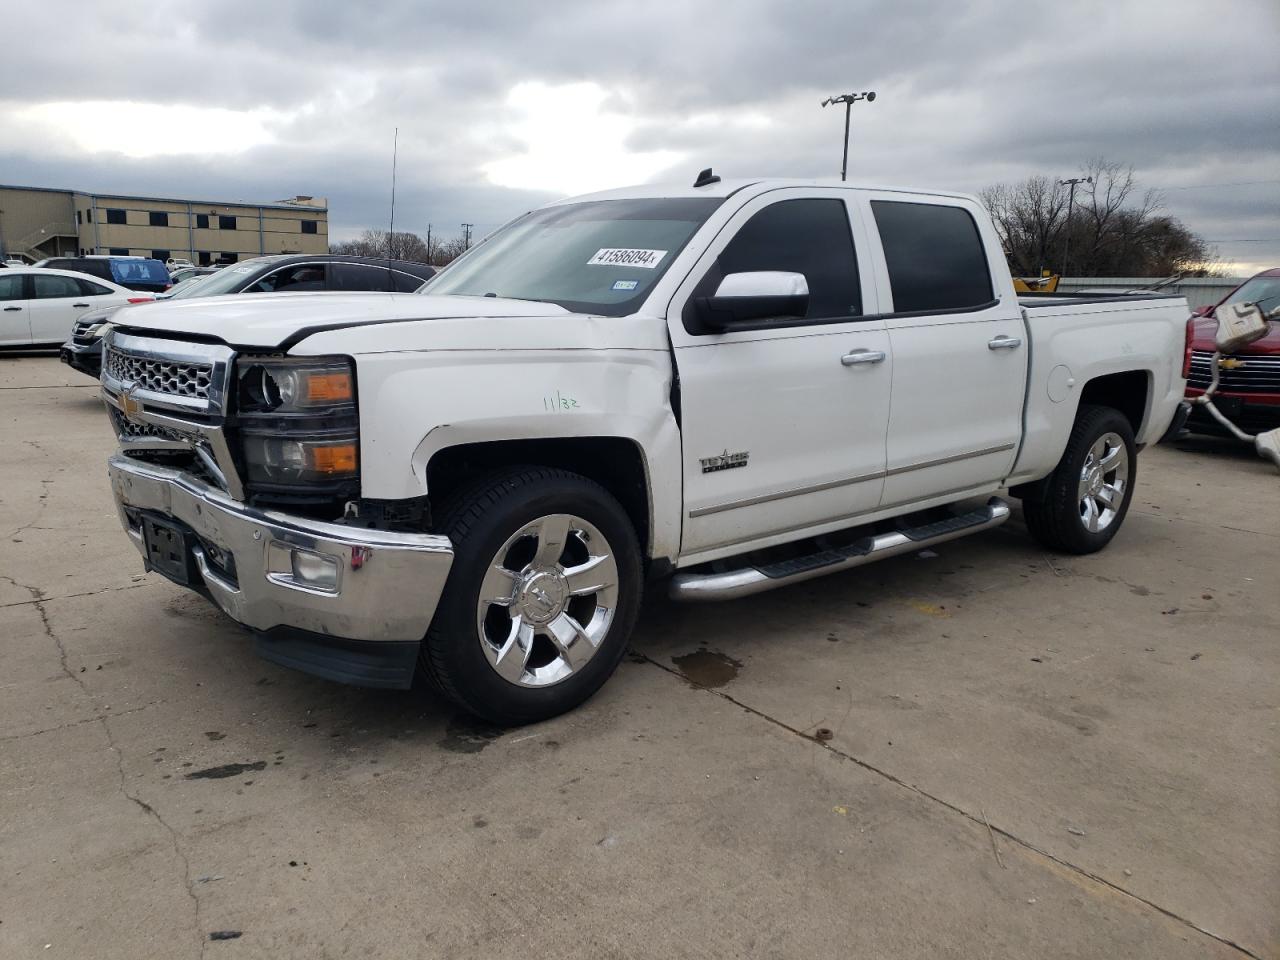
1260 290
601 256
228 279
187 288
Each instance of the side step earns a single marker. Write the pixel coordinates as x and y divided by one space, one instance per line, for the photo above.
730 584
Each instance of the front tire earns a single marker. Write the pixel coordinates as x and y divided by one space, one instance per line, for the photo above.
1089 491
541 599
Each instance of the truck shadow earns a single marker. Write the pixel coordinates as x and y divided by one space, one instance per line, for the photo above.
1216 446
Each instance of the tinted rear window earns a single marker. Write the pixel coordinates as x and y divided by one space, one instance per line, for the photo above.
935 256
139 271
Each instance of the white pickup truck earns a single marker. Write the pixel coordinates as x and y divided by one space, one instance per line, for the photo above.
731 387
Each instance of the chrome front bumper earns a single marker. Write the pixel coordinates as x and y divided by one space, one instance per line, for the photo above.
386 587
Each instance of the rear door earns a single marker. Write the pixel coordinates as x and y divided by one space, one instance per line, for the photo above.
959 350
15 322
55 303
360 277
780 432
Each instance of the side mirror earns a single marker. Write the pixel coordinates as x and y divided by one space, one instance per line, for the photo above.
758 295
1240 324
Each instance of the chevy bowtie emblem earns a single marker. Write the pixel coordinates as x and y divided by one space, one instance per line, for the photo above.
128 404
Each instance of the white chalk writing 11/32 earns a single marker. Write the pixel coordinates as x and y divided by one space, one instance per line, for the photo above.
627 257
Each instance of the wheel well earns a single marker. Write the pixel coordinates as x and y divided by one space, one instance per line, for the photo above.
1126 392
613 462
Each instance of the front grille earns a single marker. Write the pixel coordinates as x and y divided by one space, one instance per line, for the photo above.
1259 374
173 377
79 333
131 431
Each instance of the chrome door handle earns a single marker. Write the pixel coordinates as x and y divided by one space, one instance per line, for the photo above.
1004 343
862 356
12 309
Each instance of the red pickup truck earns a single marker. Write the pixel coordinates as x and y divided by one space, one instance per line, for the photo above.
1249 394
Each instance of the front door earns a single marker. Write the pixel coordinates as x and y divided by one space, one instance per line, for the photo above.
959 351
783 424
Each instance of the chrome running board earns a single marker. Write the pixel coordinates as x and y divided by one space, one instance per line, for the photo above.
731 584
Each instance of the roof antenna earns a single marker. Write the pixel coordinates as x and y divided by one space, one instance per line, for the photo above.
706 178
391 235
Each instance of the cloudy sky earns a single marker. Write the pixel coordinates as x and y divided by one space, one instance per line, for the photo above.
501 105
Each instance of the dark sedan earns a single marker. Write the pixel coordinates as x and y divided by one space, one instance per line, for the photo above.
293 273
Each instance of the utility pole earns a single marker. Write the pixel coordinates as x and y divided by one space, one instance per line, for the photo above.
848 99
428 243
1071 206
466 235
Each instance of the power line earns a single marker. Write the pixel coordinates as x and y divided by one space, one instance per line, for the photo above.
1248 240
1214 186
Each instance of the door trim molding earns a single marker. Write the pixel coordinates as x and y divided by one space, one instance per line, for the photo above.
783 494
925 464
845 481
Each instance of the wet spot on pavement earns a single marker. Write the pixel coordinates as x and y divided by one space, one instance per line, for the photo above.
467 735
226 770
707 668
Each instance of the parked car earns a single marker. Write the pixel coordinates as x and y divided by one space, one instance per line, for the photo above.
292 273
186 273
12 260
178 263
1249 391
136 273
38 306
744 384
181 288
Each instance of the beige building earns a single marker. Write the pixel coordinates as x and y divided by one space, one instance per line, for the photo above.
38 222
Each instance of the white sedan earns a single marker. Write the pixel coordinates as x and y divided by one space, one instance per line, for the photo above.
38 307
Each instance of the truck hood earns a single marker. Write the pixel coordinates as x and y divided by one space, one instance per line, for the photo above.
1206 328
278 319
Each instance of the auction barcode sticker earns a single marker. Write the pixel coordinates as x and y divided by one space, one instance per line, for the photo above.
627 257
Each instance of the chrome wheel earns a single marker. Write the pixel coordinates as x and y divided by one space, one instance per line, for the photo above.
1103 480
547 601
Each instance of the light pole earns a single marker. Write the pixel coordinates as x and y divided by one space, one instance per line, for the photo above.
848 99
1071 206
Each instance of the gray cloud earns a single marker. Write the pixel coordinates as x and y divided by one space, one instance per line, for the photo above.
969 93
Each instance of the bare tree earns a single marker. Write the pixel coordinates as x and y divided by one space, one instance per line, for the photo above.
401 246
1115 231
1030 219
380 243
448 250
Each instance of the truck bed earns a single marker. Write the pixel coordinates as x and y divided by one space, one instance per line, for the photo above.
1035 301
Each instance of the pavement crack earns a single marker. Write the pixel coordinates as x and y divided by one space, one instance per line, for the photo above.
149 810
976 818
39 600
66 596
41 502
79 723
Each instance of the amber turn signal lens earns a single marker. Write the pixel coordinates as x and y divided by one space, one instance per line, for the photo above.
333 460
329 387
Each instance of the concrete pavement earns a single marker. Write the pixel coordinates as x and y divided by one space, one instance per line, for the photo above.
1113 719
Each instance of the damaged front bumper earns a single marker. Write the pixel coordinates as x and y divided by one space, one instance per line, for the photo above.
348 603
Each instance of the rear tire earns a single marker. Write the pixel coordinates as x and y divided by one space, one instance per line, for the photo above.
541 599
1088 493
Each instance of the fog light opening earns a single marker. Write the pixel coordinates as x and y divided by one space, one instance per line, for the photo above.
314 569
